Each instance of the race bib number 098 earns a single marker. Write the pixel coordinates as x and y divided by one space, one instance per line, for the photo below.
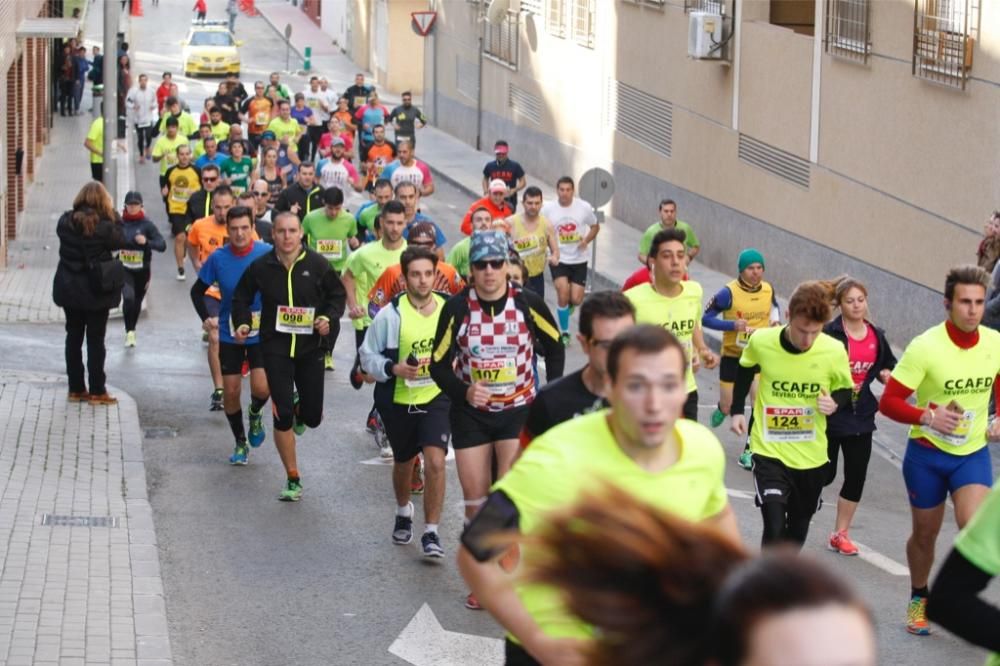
296 321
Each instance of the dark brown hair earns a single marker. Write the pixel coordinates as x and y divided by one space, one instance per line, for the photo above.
968 274
813 300
415 252
85 220
93 195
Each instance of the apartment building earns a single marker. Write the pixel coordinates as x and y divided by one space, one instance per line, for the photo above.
837 136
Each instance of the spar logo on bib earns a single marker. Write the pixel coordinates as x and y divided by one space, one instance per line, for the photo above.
789 389
967 385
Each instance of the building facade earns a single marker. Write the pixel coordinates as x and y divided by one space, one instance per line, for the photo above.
837 136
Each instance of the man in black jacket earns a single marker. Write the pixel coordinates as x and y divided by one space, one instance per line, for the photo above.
297 311
303 196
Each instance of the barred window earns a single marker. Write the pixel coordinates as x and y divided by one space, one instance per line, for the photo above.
710 6
555 21
583 21
944 34
848 33
532 7
500 41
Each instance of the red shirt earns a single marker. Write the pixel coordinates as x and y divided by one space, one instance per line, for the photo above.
641 276
162 93
862 355
487 203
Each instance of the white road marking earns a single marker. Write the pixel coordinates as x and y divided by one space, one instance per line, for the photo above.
424 642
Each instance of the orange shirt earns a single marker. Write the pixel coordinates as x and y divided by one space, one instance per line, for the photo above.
207 236
379 156
487 203
391 282
258 115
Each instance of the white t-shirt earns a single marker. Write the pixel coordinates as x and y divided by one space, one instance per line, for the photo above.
330 97
572 224
315 100
336 174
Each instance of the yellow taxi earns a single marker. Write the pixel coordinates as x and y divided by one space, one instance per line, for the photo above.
211 49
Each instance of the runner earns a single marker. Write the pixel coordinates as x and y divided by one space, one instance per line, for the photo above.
952 367
316 100
303 196
743 306
532 234
187 126
224 269
334 234
285 128
141 239
302 299
393 280
307 120
674 303
397 353
268 170
262 211
459 254
804 377
204 134
507 170
404 119
199 205
336 130
576 228
256 113
211 154
495 201
357 94
639 445
220 128
668 220
603 315
236 168
850 428
368 117
409 195
406 168
204 237
336 170
375 156
366 215
180 182
483 351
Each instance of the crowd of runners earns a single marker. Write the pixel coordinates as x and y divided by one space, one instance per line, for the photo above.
457 347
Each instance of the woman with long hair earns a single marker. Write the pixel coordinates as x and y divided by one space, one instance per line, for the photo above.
269 171
660 590
88 234
850 428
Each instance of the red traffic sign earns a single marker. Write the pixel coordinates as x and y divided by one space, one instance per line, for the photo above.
423 21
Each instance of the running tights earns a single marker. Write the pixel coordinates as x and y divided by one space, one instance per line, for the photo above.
133 292
783 526
857 452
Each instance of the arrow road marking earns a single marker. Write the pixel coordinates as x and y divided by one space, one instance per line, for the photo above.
424 642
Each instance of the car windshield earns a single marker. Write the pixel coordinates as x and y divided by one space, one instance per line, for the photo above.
211 38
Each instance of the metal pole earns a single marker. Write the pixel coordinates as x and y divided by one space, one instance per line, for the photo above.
479 93
288 54
434 67
112 8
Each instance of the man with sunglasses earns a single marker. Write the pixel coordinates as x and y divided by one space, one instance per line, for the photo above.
482 360
199 205
603 315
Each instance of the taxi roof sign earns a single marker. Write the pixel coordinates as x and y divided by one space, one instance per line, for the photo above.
423 22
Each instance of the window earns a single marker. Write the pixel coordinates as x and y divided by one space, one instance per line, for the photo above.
797 15
944 33
500 41
710 6
211 38
583 22
532 7
847 30
555 21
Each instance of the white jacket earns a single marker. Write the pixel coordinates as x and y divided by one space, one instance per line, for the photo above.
141 105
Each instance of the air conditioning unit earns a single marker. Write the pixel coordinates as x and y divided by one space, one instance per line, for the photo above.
705 35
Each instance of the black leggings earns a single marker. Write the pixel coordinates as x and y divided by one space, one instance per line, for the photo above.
144 137
66 92
315 133
285 375
133 291
92 324
784 524
857 453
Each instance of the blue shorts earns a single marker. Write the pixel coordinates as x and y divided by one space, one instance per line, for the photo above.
930 473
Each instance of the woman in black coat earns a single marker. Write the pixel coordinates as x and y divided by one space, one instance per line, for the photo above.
87 236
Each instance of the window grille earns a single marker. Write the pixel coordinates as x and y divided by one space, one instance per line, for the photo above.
555 20
532 7
847 31
500 41
944 33
584 12
710 6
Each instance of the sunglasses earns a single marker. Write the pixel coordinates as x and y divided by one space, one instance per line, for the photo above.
260 194
206 179
427 243
495 264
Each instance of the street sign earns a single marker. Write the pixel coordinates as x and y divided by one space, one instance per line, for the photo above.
423 22
288 30
597 186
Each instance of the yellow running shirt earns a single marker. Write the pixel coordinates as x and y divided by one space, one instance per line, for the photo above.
752 306
533 246
578 455
182 182
679 315
787 423
285 131
416 336
166 148
942 373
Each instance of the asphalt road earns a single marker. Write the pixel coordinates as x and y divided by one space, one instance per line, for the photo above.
250 580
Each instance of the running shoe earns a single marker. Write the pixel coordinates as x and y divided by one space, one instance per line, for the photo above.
180 274
130 338
241 454
356 378
245 368
292 492
297 426
328 362
431 543
216 405
256 428
840 542
717 417
566 339
472 603
402 531
371 423
102 399
916 617
78 396
417 481
746 459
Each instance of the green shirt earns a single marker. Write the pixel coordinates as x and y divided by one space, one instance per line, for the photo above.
366 265
166 148
329 236
690 240
366 218
96 136
580 455
459 257
979 543
787 423
186 125
238 173
285 131
680 315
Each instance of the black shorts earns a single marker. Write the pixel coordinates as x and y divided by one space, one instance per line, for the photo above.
798 489
473 427
576 273
515 655
690 411
729 367
232 355
178 223
412 427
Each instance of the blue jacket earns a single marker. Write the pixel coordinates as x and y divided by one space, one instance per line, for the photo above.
858 416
